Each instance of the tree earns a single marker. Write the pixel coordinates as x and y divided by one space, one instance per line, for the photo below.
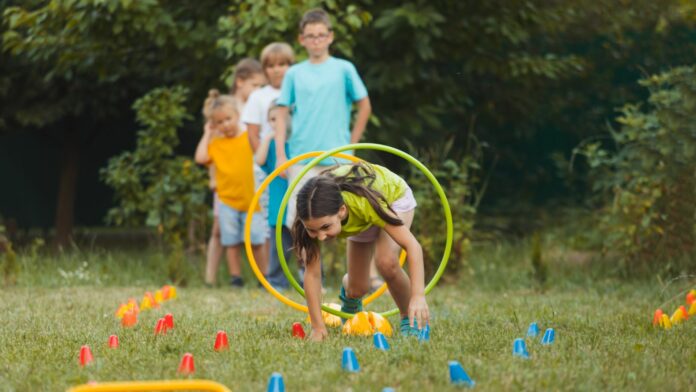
84 59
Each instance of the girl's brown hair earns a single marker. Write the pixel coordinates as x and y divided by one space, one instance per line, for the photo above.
215 100
321 196
245 68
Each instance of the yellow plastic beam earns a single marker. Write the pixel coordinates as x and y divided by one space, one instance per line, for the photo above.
161 385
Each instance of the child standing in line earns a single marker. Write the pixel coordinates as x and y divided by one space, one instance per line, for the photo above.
319 93
248 76
231 154
374 209
266 158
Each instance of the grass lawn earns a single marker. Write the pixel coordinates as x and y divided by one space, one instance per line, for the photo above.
604 340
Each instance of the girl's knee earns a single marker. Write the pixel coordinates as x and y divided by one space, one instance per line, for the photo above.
387 266
355 289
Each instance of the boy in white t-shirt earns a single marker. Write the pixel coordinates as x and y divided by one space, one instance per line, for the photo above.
276 58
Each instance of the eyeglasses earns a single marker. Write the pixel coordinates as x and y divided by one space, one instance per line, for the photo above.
312 37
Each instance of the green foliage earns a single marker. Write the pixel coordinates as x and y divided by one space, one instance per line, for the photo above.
9 267
153 186
650 175
458 175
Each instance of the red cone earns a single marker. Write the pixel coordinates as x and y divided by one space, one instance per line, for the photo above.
298 331
657 317
160 327
113 341
169 321
684 312
186 366
221 341
85 356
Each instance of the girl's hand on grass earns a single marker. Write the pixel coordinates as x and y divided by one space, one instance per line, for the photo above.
318 335
418 310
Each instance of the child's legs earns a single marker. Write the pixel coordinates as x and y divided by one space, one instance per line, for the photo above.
234 259
357 280
293 172
276 276
258 237
213 254
387 260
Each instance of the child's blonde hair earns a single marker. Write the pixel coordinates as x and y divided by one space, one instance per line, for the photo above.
245 68
215 101
277 52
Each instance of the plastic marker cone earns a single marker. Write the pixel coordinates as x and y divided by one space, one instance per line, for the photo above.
657 317
169 321
121 310
85 356
685 314
160 327
159 298
172 292
424 334
298 331
692 309
276 383
380 341
146 303
113 341
533 330
549 336
130 318
350 362
677 316
186 366
458 375
153 303
665 322
388 389
221 341
519 349
165 292
691 297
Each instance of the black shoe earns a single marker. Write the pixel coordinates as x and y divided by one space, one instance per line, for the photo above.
237 281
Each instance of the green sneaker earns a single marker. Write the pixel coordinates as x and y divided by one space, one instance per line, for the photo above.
406 328
349 305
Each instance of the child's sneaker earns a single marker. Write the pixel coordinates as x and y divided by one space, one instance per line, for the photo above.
237 281
406 328
349 305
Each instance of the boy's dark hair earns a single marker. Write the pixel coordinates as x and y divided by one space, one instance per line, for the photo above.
321 196
245 68
315 15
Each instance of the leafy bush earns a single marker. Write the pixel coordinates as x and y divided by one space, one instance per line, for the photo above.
457 173
650 177
153 186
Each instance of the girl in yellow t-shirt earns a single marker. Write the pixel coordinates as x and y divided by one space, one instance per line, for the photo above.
226 146
374 209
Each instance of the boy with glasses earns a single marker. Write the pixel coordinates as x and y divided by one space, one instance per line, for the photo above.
318 93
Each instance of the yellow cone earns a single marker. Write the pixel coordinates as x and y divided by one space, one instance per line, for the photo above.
146 304
380 324
665 322
158 297
692 309
172 292
330 320
358 325
677 316
121 310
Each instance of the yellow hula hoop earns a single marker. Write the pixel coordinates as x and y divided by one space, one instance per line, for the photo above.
247 235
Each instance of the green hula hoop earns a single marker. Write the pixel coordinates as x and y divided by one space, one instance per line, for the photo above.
365 146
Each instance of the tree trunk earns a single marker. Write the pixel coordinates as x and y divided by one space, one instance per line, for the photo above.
69 167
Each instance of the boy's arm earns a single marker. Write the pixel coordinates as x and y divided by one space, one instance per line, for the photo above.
364 110
262 152
312 286
202 157
281 136
254 134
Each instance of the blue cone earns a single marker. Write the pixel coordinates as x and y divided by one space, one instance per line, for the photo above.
380 341
388 390
276 383
350 362
424 334
549 336
519 349
458 375
533 330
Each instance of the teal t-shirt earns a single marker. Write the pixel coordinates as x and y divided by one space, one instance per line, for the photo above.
361 215
320 97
